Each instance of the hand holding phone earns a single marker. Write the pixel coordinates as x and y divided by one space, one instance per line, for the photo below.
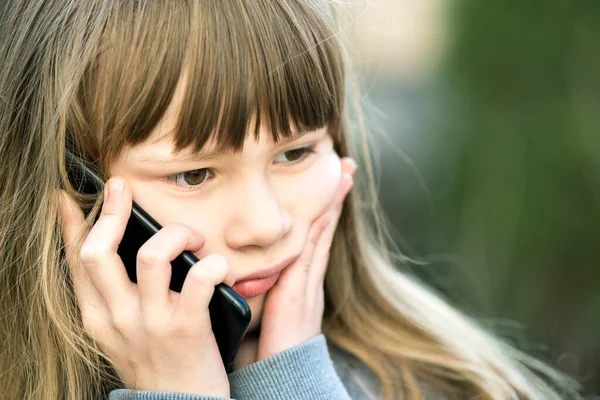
174 336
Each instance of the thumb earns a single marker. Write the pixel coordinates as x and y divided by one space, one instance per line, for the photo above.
116 210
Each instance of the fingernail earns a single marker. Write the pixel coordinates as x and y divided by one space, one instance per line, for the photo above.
115 188
353 166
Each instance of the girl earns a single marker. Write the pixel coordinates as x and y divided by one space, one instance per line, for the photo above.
226 121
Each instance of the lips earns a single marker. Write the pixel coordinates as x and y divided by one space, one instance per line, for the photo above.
255 287
260 282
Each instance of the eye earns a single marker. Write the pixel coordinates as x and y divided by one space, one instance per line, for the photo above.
190 179
295 155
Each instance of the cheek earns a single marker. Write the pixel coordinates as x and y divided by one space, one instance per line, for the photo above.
314 190
167 210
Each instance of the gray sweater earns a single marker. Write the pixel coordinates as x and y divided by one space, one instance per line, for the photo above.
307 371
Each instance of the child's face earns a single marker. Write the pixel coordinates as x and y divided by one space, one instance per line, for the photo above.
255 208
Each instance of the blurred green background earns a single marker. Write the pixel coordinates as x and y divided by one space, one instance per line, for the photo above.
486 116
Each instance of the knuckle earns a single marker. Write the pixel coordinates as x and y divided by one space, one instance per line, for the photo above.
123 319
215 264
167 230
181 331
208 271
179 230
198 274
89 253
185 326
203 279
111 212
216 260
306 268
148 256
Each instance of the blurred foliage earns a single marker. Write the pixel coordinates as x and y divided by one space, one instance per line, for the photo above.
515 176
501 196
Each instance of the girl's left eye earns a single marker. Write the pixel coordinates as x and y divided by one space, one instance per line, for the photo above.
295 155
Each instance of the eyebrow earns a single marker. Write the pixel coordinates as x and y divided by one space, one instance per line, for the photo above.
206 156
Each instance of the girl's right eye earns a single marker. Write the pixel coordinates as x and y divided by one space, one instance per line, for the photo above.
190 180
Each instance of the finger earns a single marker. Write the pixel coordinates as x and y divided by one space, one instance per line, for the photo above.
72 222
320 256
199 286
348 168
300 270
98 253
154 263
348 165
346 184
297 273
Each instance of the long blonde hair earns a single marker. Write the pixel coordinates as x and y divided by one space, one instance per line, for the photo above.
96 76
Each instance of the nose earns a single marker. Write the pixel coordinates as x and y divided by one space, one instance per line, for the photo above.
257 217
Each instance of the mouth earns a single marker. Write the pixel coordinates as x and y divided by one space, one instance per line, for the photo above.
255 287
260 282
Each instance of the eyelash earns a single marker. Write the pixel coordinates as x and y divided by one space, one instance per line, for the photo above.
174 179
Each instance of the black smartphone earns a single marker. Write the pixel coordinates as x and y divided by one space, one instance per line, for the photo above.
229 313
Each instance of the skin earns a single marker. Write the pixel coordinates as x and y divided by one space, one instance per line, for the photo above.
251 208
254 208
253 211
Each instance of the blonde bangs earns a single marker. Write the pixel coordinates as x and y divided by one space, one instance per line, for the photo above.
273 64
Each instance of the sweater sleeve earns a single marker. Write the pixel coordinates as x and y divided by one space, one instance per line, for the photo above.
302 372
128 394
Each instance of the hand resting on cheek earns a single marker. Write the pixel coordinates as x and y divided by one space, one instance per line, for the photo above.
294 307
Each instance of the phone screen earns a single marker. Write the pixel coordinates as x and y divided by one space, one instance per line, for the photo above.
229 313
